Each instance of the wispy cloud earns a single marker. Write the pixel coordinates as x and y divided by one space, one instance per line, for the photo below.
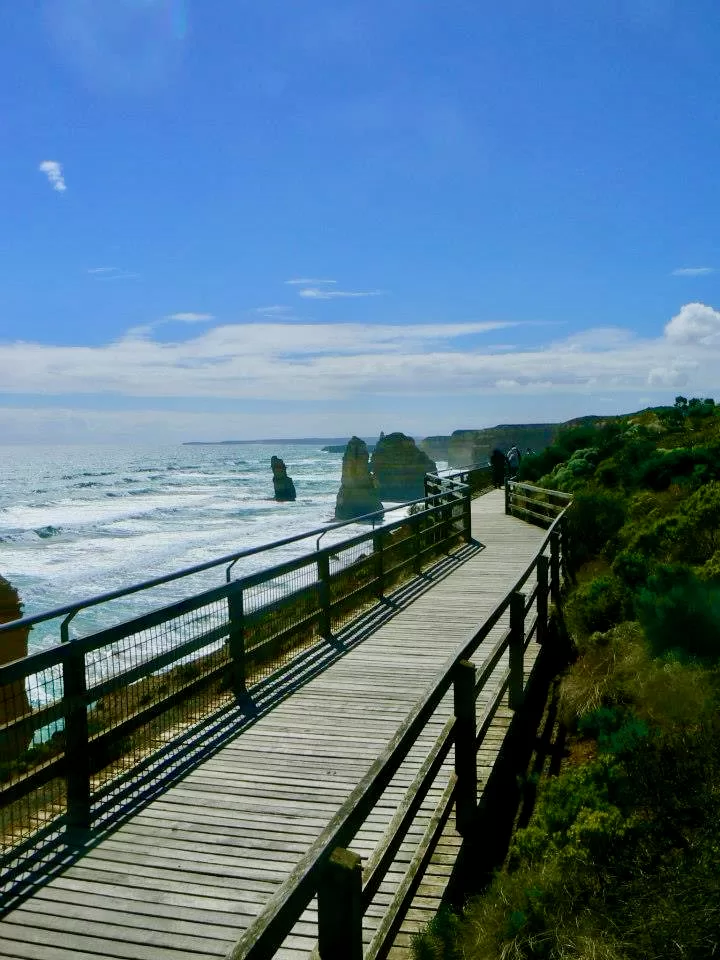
53 170
315 293
112 273
190 317
304 281
692 271
305 362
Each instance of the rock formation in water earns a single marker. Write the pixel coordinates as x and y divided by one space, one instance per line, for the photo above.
13 698
282 483
400 467
358 493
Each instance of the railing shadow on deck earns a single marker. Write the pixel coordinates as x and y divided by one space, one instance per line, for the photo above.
346 887
212 733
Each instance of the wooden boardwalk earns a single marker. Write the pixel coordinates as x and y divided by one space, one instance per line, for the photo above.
187 874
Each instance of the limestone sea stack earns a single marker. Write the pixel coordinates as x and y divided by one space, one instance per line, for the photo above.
358 494
13 698
282 483
400 467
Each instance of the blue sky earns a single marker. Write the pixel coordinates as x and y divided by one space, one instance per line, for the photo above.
497 212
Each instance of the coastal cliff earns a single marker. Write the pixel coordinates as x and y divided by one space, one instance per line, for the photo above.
399 467
358 493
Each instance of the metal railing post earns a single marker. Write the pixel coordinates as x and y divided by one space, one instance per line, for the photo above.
543 569
555 567
77 757
565 548
236 639
340 907
323 570
417 543
467 514
517 649
378 545
507 497
465 754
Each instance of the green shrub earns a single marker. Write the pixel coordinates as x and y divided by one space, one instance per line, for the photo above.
605 672
680 613
594 518
598 605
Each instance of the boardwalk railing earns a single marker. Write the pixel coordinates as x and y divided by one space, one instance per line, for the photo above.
344 886
80 720
534 504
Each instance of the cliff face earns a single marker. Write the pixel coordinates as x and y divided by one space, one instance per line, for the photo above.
400 467
282 484
435 447
466 447
13 645
358 494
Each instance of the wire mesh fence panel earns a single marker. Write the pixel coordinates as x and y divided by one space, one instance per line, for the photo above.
120 701
280 619
399 550
149 686
32 788
353 588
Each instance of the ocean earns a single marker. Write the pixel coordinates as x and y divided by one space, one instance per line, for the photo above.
77 521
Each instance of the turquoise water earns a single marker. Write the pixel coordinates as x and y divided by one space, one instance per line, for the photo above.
77 521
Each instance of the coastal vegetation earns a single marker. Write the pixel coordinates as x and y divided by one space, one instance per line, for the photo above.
619 858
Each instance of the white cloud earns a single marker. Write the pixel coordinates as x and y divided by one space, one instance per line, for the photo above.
692 271
695 323
314 293
297 361
102 269
667 377
190 317
304 281
53 170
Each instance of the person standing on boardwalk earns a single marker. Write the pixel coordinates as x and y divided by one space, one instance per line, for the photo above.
497 467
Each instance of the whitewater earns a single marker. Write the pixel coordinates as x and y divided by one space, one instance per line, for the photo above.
79 521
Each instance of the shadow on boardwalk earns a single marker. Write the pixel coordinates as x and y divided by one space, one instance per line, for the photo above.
206 738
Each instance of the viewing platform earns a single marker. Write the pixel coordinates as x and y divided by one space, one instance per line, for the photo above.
375 743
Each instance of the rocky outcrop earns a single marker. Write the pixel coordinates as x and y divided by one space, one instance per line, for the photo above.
341 447
468 447
400 467
282 483
13 698
435 447
358 493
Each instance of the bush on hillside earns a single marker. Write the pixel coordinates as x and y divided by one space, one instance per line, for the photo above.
680 613
593 520
598 605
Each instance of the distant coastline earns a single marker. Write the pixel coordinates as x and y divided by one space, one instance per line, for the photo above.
335 441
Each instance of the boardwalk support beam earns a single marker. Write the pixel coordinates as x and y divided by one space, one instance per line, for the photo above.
340 907
77 757
417 543
465 752
543 572
467 515
555 567
378 543
323 571
236 639
517 649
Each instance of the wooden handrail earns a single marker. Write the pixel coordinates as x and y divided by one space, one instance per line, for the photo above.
270 929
